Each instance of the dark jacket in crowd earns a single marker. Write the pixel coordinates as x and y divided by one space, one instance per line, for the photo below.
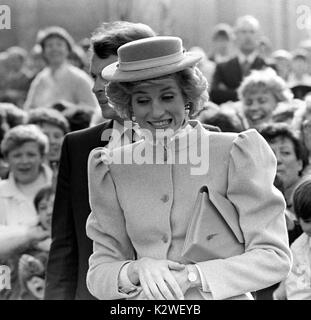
230 74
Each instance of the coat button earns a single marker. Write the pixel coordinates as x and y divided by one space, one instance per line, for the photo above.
165 198
165 238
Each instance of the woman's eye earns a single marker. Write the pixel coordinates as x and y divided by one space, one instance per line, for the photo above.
262 101
285 153
142 100
168 97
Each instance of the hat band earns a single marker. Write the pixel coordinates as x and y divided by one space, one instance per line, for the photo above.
151 63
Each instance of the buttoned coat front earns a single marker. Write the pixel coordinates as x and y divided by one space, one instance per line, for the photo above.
143 210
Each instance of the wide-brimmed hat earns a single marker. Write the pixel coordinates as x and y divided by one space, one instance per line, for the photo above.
149 58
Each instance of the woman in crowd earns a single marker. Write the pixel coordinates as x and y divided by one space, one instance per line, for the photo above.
141 210
261 93
292 159
59 80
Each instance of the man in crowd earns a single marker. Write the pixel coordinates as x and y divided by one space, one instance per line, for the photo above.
71 248
228 75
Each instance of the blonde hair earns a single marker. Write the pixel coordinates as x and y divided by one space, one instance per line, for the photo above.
21 134
266 80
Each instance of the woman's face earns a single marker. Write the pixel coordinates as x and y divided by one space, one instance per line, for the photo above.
288 166
55 50
25 162
258 107
158 105
56 136
45 210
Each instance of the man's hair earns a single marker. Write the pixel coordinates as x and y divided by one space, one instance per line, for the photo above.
302 200
248 19
106 39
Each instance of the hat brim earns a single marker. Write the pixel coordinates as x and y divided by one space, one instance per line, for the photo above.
114 74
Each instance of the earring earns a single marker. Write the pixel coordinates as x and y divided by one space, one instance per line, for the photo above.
188 106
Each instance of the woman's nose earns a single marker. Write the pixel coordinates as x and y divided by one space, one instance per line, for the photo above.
157 109
25 159
253 106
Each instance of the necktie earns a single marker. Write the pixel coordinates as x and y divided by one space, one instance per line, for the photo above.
246 66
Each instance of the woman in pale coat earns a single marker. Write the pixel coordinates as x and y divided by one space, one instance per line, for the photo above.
141 208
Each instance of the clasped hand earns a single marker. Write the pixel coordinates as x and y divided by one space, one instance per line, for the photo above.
159 279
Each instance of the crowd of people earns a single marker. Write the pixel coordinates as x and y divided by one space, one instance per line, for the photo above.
72 227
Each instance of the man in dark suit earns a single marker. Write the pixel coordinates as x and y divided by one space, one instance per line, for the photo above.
71 248
229 75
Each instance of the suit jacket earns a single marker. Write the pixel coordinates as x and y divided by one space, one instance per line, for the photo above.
146 208
71 248
230 74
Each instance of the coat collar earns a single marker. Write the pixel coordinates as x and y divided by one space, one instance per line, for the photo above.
12 191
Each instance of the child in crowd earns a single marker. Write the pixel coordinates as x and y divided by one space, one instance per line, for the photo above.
44 201
297 286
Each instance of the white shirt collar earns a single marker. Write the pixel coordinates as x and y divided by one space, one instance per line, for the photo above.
12 190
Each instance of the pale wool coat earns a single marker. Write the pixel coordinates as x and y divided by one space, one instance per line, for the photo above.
147 208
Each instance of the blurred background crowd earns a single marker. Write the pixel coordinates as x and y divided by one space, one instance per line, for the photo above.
46 92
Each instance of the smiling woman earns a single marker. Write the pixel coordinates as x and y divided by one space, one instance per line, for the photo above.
260 93
160 229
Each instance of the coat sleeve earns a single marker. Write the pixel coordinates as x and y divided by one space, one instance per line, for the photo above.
62 268
106 226
267 257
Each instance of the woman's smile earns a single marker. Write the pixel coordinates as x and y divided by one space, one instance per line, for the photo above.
161 124
158 105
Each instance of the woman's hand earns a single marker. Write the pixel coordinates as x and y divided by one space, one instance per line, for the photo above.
156 279
181 277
